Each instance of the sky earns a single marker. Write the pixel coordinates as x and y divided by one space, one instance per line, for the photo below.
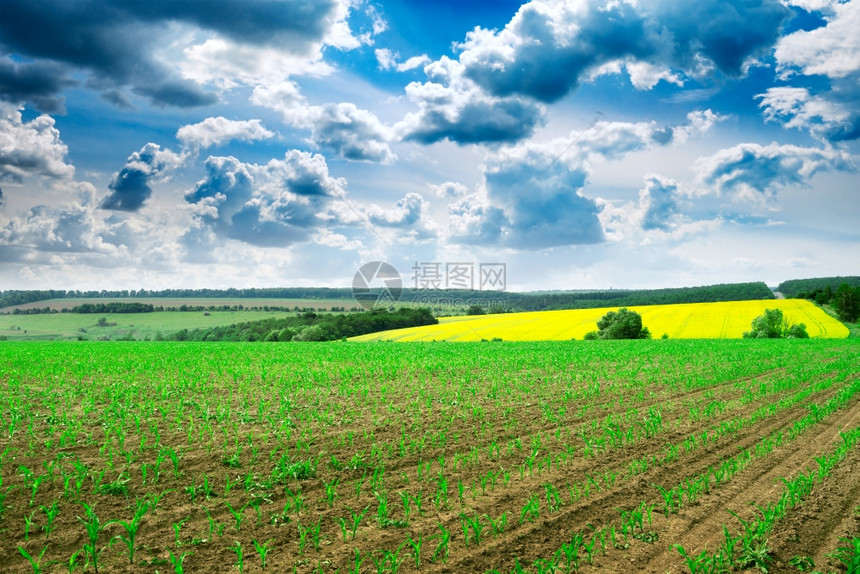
574 144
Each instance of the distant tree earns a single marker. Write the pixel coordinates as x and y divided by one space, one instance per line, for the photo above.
475 310
847 302
773 325
621 324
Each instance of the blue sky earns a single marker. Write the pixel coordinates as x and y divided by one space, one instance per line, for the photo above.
584 144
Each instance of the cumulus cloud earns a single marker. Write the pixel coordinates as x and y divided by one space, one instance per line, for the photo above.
754 171
831 51
658 202
220 130
72 228
451 107
276 204
545 37
131 186
123 45
799 108
409 214
352 133
449 190
532 197
31 148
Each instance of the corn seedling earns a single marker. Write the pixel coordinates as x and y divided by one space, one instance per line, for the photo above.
415 545
94 529
177 526
240 555
531 509
35 563
262 550
131 528
238 515
849 555
178 560
442 549
50 515
473 524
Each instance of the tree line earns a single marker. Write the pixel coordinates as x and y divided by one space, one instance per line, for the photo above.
845 300
310 327
794 287
499 300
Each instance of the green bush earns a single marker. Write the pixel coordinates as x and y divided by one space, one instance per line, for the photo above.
621 324
773 325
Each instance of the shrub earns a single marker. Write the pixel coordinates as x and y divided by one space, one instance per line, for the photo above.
772 325
621 324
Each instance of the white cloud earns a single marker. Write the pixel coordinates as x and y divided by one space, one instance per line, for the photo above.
409 216
449 190
451 107
226 64
352 133
413 62
752 171
832 50
131 186
654 40
798 108
532 194
386 58
276 205
31 148
220 130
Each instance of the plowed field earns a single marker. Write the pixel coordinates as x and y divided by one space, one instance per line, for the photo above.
505 457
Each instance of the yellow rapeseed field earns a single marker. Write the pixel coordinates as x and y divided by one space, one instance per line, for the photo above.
687 321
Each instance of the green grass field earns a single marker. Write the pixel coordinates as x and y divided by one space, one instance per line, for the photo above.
247 302
58 326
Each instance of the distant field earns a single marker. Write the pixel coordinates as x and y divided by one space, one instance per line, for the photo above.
726 320
141 325
319 304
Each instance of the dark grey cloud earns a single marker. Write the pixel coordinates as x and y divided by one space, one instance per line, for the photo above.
548 48
113 41
2 199
484 121
36 82
276 204
131 186
248 21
